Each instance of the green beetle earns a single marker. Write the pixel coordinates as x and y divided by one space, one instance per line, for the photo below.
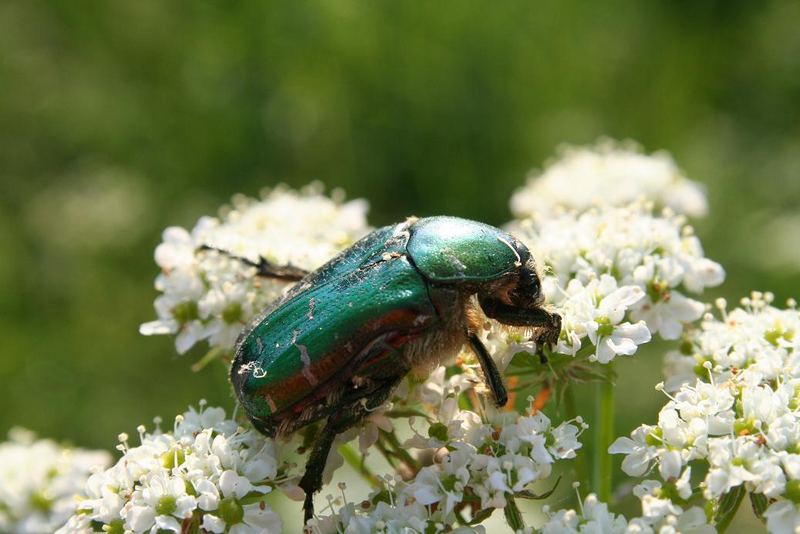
402 298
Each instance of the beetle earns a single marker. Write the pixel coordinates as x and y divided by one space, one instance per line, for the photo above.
402 298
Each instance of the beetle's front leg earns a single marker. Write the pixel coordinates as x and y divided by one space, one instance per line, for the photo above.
265 268
493 379
515 316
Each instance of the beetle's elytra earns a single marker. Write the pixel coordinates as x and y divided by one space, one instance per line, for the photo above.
335 346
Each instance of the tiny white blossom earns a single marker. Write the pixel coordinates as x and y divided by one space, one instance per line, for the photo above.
207 295
488 463
734 407
207 472
608 174
650 259
658 515
783 517
39 481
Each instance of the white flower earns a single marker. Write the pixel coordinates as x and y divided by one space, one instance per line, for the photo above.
605 331
608 174
783 517
207 471
623 265
258 519
736 412
639 453
39 480
667 316
445 484
658 515
161 499
489 464
207 295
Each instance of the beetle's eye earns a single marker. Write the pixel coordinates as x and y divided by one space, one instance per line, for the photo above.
536 287
528 290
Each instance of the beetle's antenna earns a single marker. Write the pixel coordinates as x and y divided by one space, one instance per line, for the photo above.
264 267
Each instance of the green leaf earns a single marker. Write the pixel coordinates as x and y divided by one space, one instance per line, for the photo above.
760 504
524 360
530 495
513 515
727 506
481 516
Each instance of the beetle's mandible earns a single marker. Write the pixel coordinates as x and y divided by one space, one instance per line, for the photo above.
402 298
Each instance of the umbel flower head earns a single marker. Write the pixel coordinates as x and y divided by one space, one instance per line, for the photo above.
658 515
620 265
608 174
618 275
206 474
734 408
206 295
39 480
481 465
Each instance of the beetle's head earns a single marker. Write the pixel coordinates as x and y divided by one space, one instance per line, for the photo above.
527 292
520 289
518 302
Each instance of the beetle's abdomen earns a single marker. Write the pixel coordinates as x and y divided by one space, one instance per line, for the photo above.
310 345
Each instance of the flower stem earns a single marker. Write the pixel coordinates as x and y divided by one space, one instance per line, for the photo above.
356 461
604 435
400 452
581 468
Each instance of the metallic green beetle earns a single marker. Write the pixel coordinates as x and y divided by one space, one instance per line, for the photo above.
402 298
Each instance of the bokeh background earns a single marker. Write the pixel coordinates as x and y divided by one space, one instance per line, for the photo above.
119 118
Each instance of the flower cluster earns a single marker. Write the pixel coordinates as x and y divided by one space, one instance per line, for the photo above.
659 515
607 225
618 274
608 174
207 474
479 466
39 480
734 408
208 295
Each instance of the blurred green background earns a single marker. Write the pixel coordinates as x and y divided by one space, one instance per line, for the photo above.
119 117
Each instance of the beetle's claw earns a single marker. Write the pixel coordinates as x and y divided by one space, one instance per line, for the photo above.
548 335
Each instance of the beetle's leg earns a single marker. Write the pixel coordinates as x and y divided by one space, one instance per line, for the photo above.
515 316
264 268
349 412
490 371
315 465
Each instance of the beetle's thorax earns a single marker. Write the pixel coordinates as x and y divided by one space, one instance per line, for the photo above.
433 348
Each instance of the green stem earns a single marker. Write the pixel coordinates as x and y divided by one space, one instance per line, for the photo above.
356 461
387 455
400 452
214 354
581 468
604 436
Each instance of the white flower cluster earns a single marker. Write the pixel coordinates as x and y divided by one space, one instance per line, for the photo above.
608 174
39 480
206 295
616 275
659 515
207 474
738 414
478 466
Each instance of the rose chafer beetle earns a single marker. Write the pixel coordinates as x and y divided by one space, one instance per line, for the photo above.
402 298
